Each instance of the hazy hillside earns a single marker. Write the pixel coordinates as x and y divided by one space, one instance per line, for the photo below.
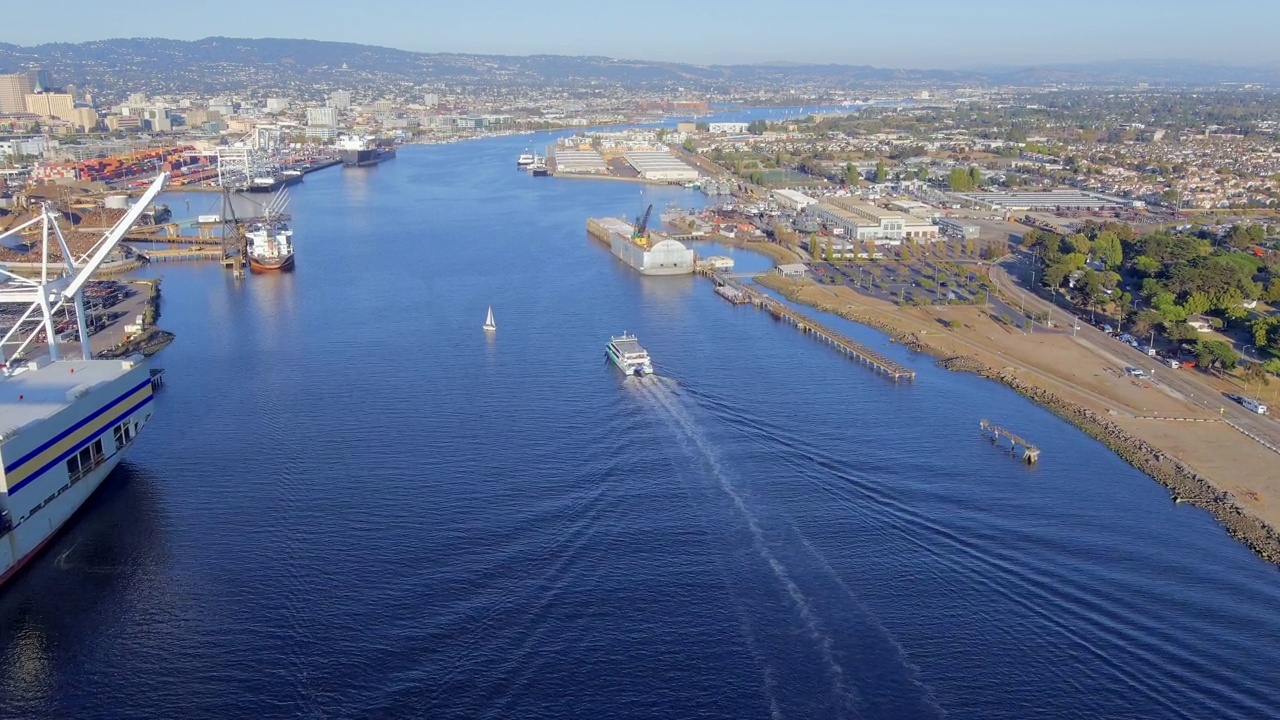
218 64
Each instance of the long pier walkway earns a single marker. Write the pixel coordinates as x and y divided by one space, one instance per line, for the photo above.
780 311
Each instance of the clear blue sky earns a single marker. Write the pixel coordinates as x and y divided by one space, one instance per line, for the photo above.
916 34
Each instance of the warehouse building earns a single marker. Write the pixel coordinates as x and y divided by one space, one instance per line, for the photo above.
660 166
1051 200
957 228
580 161
863 221
793 199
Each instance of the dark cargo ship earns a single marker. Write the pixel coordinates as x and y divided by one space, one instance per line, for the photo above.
362 151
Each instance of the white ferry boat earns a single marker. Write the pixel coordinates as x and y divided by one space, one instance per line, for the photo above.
626 353
64 423
524 161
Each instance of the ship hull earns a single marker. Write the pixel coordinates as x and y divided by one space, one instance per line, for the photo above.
65 494
271 265
365 158
279 183
16 541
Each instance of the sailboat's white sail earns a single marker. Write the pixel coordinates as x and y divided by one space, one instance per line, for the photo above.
489 324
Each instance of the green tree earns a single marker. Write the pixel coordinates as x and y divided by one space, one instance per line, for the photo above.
1216 353
959 180
1144 322
757 127
1107 247
975 178
1255 374
702 126
922 172
831 256
814 252
882 173
1077 243
1196 303
851 176
1146 266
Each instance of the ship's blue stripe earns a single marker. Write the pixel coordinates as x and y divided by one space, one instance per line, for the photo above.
59 437
78 447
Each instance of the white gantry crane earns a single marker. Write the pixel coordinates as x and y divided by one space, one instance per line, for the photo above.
56 285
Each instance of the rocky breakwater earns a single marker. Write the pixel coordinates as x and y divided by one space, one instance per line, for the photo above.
1184 483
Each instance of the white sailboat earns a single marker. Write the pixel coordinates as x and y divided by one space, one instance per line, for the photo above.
489 324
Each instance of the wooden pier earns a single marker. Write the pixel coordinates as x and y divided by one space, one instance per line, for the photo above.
780 311
1030 453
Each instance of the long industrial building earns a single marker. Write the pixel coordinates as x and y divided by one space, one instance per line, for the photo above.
864 221
660 166
579 161
1051 200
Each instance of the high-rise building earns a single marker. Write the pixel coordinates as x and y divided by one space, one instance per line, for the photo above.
40 81
50 105
13 92
136 99
277 104
340 99
431 100
322 117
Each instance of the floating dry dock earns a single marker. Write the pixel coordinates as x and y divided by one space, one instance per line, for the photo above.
805 324
1030 453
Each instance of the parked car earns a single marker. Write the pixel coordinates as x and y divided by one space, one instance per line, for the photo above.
1172 363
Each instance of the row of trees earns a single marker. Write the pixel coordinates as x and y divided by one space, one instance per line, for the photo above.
962 180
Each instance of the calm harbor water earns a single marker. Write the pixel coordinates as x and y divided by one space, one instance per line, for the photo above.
352 503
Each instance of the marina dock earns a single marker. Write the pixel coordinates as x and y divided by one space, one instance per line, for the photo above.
780 311
1030 453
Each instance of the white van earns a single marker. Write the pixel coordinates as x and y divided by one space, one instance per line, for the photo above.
1254 405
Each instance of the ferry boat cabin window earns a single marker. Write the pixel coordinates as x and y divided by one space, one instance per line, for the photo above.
98 452
73 467
118 433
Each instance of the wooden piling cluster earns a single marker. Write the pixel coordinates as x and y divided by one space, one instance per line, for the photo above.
1030 453
780 311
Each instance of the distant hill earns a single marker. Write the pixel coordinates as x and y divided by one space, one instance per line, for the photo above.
219 64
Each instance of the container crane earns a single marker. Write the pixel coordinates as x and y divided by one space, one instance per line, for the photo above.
56 287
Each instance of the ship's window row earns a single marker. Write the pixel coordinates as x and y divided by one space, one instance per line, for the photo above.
123 433
86 460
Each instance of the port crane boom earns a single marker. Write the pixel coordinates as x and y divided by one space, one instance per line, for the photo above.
49 294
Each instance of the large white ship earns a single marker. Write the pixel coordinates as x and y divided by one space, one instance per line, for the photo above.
64 423
626 353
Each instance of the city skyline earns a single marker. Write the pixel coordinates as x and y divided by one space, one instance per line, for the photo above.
936 35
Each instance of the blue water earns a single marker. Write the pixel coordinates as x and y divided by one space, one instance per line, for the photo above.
352 503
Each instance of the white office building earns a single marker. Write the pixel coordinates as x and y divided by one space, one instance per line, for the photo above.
322 117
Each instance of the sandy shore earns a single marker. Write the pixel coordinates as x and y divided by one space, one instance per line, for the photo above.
1178 442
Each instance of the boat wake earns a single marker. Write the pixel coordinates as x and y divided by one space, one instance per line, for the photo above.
662 395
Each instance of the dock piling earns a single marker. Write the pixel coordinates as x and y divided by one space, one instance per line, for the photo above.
1030 453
